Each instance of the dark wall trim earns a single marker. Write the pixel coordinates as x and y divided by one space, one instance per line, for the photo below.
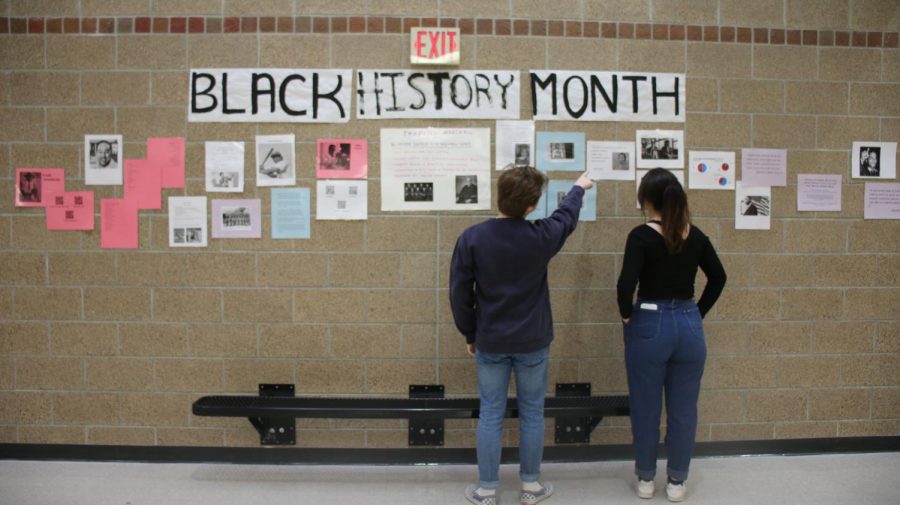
272 455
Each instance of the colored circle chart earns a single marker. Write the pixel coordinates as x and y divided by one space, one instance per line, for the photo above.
702 168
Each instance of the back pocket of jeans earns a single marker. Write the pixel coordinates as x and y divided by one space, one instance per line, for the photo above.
645 323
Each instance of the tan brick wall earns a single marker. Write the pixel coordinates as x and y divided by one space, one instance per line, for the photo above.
111 347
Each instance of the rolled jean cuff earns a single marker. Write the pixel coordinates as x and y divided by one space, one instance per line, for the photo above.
530 477
645 474
489 485
673 474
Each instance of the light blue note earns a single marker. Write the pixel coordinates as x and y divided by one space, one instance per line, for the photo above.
290 213
560 151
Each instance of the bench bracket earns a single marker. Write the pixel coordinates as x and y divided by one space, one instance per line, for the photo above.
276 430
426 432
574 430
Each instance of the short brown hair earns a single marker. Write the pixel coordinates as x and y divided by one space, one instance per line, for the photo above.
519 188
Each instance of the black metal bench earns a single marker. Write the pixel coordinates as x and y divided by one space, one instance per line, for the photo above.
273 413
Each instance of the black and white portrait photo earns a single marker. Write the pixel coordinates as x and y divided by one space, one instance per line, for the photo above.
620 161
178 235
873 160
755 206
224 179
102 159
334 156
236 218
275 160
466 189
869 165
418 191
193 235
523 155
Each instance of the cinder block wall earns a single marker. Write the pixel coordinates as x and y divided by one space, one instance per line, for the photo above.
111 347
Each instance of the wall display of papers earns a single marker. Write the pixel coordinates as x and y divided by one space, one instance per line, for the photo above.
435 169
514 144
224 167
882 200
118 223
711 170
103 155
342 158
236 218
342 200
610 161
143 183
752 207
169 153
818 192
874 160
560 151
764 167
462 94
660 148
71 211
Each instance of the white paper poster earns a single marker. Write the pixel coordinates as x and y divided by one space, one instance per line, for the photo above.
679 174
562 95
269 95
764 167
342 200
275 160
874 160
882 201
660 149
435 169
187 221
412 93
514 144
610 161
817 192
711 169
752 207
225 167
103 156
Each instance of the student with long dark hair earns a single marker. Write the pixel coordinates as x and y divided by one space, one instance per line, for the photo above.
665 350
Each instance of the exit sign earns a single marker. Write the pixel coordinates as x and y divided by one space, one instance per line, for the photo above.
434 46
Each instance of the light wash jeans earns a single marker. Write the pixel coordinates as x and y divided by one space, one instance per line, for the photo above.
493 387
664 351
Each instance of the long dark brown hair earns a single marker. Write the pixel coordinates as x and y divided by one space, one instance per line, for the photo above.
661 189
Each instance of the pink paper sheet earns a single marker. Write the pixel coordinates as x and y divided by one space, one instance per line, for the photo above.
71 211
170 152
342 159
143 183
118 224
35 187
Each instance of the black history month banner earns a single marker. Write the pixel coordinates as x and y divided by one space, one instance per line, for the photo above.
560 95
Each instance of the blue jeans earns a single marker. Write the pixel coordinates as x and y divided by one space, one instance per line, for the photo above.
664 351
493 388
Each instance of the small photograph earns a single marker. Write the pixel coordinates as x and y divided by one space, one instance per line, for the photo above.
193 235
275 160
178 235
236 218
224 180
562 151
103 153
873 160
869 165
29 187
660 148
335 156
755 206
466 189
418 191
620 161
523 155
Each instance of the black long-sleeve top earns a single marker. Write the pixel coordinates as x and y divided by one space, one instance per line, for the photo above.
498 279
668 276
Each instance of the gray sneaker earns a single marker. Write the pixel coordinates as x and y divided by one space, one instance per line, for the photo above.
532 497
477 499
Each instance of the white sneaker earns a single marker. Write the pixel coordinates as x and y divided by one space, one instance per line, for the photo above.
645 488
676 492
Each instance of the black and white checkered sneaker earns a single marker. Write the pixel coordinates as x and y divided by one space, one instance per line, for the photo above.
477 499
532 497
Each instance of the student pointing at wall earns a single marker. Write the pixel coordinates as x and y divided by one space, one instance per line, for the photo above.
664 345
501 304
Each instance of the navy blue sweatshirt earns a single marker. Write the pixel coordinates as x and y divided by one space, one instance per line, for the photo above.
498 279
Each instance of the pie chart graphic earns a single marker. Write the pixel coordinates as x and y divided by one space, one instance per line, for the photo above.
702 168
725 167
723 181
